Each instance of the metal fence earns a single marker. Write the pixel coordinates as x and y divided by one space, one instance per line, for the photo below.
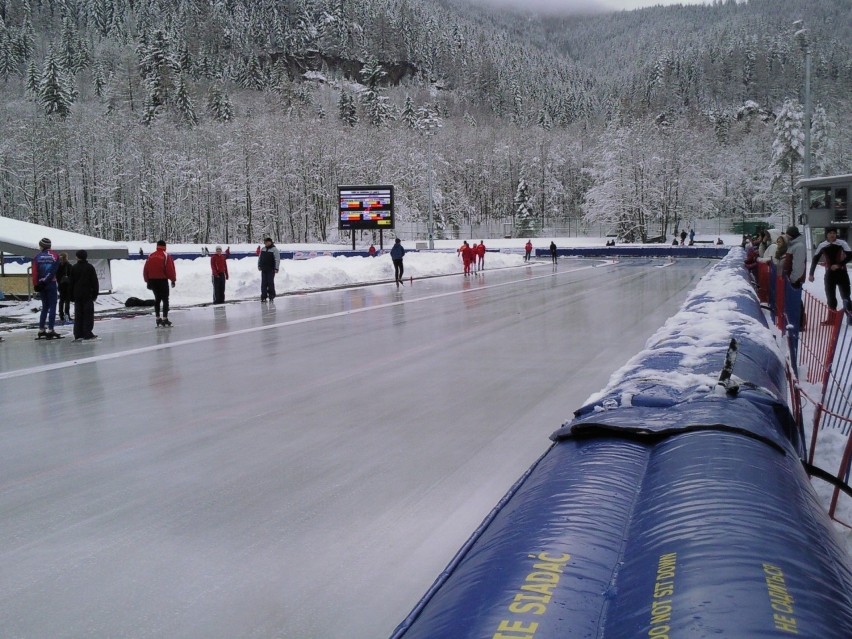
820 345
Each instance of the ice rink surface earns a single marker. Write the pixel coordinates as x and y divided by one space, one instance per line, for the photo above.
302 469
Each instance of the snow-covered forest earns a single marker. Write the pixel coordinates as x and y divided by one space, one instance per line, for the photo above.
223 120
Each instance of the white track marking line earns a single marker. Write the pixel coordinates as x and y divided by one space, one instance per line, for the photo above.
245 331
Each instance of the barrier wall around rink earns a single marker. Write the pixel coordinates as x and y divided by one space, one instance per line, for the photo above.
670 506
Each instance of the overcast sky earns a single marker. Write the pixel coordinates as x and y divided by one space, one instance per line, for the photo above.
566 6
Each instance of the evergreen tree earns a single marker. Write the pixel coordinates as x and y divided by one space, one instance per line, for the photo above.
7 57
219 105
32 79
788 151
25 42
252 76
56 93
99 79
409 117
157 67
102 15
428 120
184 104
525 222
346 109
69 55
517 105
378 109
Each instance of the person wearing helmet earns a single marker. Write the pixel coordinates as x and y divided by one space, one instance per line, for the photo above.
45 265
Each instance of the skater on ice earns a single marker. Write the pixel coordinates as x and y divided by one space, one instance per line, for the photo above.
268 263
159 270
45 264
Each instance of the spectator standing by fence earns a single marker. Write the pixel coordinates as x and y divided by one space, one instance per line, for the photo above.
796 259
219 268
835 254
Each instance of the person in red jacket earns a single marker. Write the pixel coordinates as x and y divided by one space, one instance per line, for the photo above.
219 268
467 256
158 271
480 255
528 247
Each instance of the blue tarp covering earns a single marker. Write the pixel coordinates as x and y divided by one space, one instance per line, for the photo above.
679 511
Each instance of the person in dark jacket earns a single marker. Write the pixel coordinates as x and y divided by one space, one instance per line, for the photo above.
84 289
44 268
396 254
63 278
268 263
219 268
836 254
158 270
553 251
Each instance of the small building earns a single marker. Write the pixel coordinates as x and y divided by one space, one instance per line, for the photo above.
826 204
19 241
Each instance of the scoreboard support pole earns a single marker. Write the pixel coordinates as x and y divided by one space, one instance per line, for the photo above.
353 240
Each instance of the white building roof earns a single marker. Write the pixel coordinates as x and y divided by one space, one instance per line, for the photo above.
22 238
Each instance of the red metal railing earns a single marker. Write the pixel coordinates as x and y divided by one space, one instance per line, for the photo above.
823 353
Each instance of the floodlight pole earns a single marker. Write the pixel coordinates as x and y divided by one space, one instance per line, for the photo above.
431 223
803 38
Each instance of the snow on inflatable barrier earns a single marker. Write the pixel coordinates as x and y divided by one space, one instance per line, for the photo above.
670 506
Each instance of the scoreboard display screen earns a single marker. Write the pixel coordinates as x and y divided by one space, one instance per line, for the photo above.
365 207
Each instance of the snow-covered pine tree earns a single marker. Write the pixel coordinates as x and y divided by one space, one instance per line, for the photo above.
184 103
32 79
99 78
788 152
346 109
525 222
219 105
409 117
252 76
8 64
377 106
55 91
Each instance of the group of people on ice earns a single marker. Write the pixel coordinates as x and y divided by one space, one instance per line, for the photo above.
58 283
472 256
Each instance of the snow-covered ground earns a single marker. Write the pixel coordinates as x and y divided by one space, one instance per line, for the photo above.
194 287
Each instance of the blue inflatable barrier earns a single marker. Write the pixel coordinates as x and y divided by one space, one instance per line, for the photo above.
671 506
